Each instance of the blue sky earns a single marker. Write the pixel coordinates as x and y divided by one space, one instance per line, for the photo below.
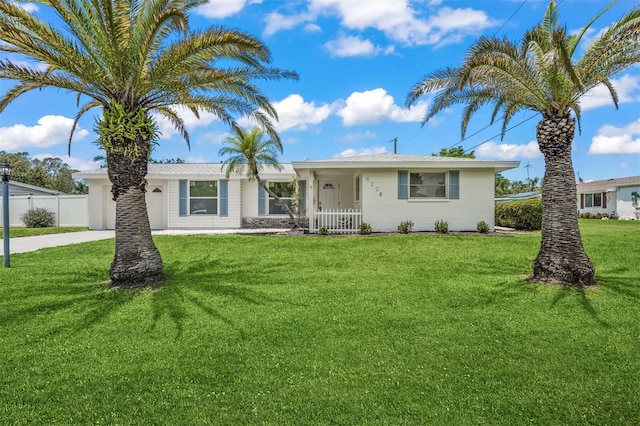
357 60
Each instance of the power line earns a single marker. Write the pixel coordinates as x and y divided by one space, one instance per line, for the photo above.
509 18
500 134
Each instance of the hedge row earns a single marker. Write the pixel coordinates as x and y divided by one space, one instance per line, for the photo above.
523 214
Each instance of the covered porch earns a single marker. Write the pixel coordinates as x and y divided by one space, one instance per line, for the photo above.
334 203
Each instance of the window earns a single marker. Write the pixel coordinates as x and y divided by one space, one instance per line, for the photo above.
597 199
427 185
203 197
286 194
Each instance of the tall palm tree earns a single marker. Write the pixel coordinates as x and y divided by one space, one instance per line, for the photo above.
542 74
248 152
132 59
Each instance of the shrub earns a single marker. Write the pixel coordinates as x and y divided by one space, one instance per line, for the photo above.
38 218
441 227
483 227
323 231
364 229
405 226
522 214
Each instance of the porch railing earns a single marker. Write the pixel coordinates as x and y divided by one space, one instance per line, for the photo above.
338 221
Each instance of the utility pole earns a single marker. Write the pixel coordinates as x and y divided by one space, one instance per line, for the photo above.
527 167
395 145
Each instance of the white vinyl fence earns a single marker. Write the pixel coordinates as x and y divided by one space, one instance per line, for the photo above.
70 210
339 221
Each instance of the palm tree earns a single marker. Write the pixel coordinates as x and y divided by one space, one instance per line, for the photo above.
541 74
250 151
132 59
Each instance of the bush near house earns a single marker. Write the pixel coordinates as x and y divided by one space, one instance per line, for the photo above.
521 214
38 218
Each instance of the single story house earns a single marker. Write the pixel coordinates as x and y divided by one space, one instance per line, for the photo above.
337 194
610 196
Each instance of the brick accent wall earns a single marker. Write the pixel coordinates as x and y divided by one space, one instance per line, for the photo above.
273 222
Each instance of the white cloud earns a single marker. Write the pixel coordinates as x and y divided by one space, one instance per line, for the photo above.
507 151
356 137
28 7
278 22
51 130
223 8
294 113
167 130
395 18
351 152
375 106
617 140
627 87
345 46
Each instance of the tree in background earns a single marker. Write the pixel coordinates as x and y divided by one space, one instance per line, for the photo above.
542 74
130 59
458 152
248 152
50 172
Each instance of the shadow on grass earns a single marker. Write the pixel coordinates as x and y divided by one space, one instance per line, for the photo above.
565 292
205 284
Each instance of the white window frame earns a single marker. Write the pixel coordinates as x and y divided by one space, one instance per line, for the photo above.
590 200
269 199
196 198
444 185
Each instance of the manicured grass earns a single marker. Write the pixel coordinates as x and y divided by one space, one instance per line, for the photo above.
428 329
27 232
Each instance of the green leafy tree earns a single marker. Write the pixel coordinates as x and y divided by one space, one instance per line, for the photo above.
542 74
457 151
132 58
248 152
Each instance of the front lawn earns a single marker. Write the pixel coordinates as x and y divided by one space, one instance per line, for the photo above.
279 330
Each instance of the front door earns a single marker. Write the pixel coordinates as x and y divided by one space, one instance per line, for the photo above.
329 196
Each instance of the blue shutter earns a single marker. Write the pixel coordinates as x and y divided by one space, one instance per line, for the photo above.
182 197
262 197
454 185
302 191
223 196
403 185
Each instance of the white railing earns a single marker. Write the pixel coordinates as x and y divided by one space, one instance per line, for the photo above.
338 221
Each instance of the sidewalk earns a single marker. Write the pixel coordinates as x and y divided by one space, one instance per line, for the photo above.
36 242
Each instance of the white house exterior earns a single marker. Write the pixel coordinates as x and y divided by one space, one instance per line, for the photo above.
387 189
610 196
382 190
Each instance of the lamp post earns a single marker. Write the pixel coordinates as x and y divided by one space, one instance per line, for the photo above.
5 172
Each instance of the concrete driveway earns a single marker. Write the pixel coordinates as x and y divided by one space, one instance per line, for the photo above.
25 244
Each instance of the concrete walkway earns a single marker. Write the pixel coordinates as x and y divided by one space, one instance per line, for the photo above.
37 242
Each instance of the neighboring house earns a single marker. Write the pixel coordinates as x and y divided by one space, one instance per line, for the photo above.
518 197
69 209
339 194
19 188
611 196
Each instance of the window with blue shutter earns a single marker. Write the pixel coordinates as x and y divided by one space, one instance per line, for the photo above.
302 192
262 201
223 197
454 185
403 185
183 194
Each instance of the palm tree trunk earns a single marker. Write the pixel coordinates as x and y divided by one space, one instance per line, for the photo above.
137 261
562 257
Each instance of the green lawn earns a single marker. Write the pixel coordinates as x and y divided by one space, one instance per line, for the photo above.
277 330
27 232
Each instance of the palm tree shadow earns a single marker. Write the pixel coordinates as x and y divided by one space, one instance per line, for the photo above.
200 283
567 291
